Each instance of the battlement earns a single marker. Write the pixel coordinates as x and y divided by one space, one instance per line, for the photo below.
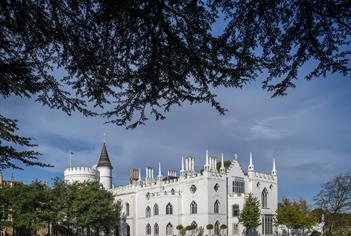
81 174
264 176
80 170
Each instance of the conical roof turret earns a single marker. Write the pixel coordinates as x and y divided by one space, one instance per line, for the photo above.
104 160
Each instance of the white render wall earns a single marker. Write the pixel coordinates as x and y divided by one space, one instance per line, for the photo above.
105 173
81 174
205 196
160 193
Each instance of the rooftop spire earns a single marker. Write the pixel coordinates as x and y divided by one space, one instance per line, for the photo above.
104 160
274 171
159 170
251 166
222 164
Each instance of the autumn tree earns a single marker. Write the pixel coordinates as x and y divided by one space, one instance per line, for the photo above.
129 60
296 215
250 214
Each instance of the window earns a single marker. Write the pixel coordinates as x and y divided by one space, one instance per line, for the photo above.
147 195
128 230
216 207
264 196
216 228
148 229
193 208
156 229
235 229
169 229
216 187
238 185
127 209
267 226
235 210
193 188
169 209
155 209
148 212
172 191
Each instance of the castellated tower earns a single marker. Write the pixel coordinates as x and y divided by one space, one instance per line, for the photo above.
105 169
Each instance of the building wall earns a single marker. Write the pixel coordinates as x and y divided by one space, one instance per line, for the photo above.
160 193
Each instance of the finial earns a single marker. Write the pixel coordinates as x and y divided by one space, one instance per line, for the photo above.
207 164
104 137
274 171
251 166
222 164
236 156
139 177
159 170
182 170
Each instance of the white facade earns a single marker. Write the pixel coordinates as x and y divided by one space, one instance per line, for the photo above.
156 206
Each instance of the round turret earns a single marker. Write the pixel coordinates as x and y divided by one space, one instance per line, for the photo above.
81 174
105 169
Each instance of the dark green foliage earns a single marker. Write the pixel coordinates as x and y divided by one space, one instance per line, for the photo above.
67 207
146 56
250 214
315 233
226 165
9 156
179 227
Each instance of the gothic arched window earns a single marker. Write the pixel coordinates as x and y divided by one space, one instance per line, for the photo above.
217 228
172 191
127 209
156 229
169 209
193 208
216 207
264 196
155 209
169 229
148 229
148 212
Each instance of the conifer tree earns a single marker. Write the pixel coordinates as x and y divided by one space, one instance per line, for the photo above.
250 214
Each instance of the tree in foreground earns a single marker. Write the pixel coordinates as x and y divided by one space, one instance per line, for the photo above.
135 59
335 200
250 214
296 215
68 207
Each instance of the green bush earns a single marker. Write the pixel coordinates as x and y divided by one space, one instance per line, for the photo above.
315 233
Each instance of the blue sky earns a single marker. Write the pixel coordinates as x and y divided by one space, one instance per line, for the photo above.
308 132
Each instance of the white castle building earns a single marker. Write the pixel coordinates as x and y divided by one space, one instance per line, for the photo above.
157 205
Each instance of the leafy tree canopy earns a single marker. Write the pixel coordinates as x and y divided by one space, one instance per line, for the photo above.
67 207
134 59
250 214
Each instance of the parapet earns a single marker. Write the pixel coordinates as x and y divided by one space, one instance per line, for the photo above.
81 174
